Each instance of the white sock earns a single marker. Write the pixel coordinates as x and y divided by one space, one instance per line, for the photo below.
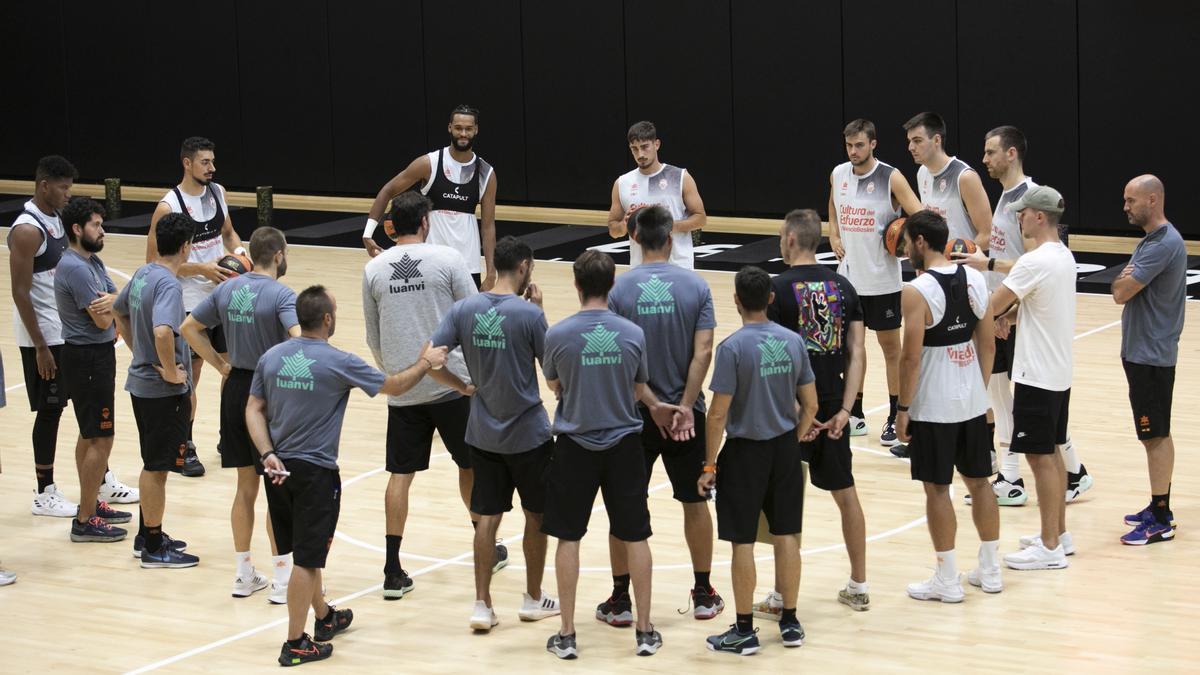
244 566
1000 399
989 554
282 566
1070 458
855 587
1010 464
947 568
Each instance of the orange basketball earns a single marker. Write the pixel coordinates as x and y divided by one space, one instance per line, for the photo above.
238 264
893 237
388 229
960 246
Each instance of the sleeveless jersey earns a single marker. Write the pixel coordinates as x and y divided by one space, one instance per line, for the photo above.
41 290
1006 242
950 385
863 206
941 194
209 211
455 190
663 188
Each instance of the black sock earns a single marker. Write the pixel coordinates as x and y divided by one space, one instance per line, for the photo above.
297 641
475 524
391 563
788 616
154 538
1160 506
892 402
745 623
44 478
191 423
702 580
141 525
620 585
857 410
328 614
45 434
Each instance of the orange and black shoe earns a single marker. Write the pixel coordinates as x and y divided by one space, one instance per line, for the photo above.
297 652
335 622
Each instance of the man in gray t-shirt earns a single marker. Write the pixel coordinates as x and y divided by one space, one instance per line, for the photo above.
1153 290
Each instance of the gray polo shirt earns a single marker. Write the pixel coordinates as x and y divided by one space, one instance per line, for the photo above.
78 282
1152 320
153 297
760 366
254 310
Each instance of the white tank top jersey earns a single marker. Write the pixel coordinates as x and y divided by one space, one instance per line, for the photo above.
1006 242
863 206
950 384
202 208
456 229
662 188
41 291
941 194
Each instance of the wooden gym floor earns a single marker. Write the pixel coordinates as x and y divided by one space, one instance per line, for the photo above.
78 607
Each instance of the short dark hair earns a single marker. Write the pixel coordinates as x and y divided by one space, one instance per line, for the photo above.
1010 137
594 273
653 227
193 144
932 122
510 253
931 226
408 208
642 131
54 167
753 288
805 226
312 305
464 109
265 242
172 232
860 126
79 211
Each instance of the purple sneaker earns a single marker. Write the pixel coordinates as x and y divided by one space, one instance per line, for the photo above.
1149 531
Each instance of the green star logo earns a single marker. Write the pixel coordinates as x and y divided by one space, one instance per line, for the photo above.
241 305
488 333
773 357
135 291
656 297
296 372
602 343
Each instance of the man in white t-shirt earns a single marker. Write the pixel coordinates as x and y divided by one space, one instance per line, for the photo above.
655 183
455 180
204 201
1043 282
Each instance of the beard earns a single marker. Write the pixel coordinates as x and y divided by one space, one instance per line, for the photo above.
92 245
332 326
281 269
917 259
462 144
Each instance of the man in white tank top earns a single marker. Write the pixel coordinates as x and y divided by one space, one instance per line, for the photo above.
946 184
204 201
865 195
456 180
654 183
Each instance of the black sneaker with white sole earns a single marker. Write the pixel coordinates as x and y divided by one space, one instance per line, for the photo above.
888 436
733 642
396 586
139 543
335 622
792 634
501 558
648 642
95 529
303 651
562 646
616 610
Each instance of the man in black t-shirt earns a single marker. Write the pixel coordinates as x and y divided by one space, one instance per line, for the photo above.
824 309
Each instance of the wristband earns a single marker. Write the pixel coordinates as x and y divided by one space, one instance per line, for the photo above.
709 468
991 264
369 231
901 408
847 411
241 250
263 457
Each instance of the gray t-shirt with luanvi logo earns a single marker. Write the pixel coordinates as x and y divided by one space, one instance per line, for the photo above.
152 298
254 310
760 366
598 357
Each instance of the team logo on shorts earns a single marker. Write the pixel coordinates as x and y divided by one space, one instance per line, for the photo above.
241 306
1144 423
488 333
135 292
773 357
601 347
406 270
656 297
296 372
106 418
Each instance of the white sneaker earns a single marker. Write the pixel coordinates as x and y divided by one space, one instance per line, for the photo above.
858 426
770 608
51 502
7 577
278 595
937 588
536 610
114 491
1007 494
244 587
987 579
1064 539
1037 557
483 617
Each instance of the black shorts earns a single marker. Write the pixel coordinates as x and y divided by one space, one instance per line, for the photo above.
162 430
938 448
1039 419
759 477
216 335
89 374
497 475
1005 350
1151 389
410 434
304 511
478 279
829 460
881 312
43 393
576 474
683 460
235 446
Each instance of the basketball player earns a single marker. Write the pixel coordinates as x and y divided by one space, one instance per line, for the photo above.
84 295
407 291
824 309
673 307
948 345
596 365
865 195
204 200
294 414
653 182
149 313
6 576
1043 280
253 312
761 371
501 332
946 184
1153 290
456 180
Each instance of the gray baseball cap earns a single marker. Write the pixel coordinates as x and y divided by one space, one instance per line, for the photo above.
1041 198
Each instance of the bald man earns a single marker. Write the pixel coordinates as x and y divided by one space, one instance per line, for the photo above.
1153 291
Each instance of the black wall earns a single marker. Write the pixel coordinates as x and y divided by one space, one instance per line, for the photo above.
750 95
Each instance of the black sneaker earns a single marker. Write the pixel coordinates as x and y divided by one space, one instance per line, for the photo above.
189 465
792 634
501 558
139 543
1078 483
648 642
706 603
733 642
395 586
888 435
95 529
112 515
900 450
304 652
562 646
335 622
616 611
167 557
